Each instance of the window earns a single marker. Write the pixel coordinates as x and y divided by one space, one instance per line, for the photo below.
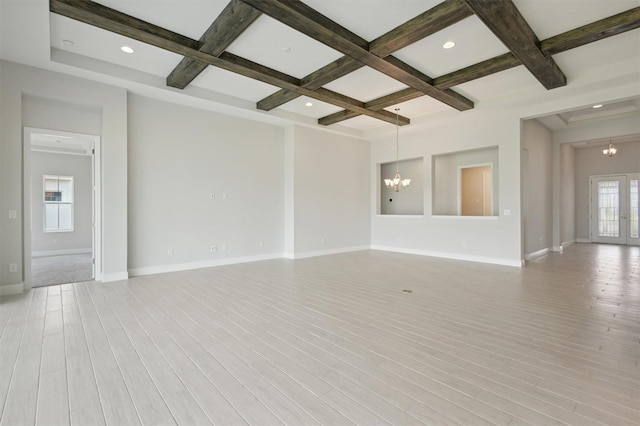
58 203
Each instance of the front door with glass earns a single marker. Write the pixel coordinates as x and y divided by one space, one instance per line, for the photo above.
614 209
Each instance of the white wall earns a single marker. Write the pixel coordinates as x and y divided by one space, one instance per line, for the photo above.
536 187
331 192
489 239
178 157
591 162
86 97
567 194
79 167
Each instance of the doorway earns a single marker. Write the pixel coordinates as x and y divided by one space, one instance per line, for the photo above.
61 197
475 191
614 209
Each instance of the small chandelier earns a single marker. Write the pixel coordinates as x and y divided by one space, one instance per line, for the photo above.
397 182
610 151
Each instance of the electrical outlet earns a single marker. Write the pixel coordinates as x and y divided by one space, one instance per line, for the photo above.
507 212
322 240
224 196
213 248
170 252
261 244
13 267
13 214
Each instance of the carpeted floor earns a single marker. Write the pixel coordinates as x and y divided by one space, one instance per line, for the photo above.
72 268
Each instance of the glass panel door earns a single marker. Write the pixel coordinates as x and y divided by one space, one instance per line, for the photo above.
608 207
614 209
632 212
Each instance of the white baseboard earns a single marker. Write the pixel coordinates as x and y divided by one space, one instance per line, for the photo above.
160 269
583 240
535 254
10 289
60 252
307 254
454 256
567 243
115 276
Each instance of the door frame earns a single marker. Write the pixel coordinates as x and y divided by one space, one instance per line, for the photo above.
26 200
627 225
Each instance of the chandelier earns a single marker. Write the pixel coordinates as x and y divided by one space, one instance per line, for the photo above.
396 183
610 151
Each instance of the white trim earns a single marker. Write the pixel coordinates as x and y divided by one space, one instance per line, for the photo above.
306 254
567 243
557 249
480 259
60 252
7 290
115 276
536 254
160 269
446 216
410 216
583 240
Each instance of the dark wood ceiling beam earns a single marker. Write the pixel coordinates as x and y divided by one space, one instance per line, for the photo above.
595 31
315 80
374 105
109 19
429 22
505 21
302 18
577 37
234 19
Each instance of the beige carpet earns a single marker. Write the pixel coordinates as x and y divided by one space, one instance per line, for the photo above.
72 268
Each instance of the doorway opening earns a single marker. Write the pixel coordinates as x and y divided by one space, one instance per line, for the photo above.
62 207
475 190
614 209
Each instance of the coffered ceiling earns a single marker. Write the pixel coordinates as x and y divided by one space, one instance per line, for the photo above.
346 62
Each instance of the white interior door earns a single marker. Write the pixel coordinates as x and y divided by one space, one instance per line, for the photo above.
614 209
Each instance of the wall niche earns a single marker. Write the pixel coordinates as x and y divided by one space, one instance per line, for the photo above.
465 183
407 201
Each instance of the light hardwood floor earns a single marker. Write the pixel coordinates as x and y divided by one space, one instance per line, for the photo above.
334 340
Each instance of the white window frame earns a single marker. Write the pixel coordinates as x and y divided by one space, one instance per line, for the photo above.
58 203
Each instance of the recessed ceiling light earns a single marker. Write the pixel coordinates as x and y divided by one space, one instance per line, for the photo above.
448 45
308 104
126 49
598 106
285 49
68 42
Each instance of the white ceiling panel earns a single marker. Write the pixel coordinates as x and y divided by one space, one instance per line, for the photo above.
419 107
363 122
190 18
498 84
232 84
548 18
272 44
318 109
370 19
100 44
474 43
365 84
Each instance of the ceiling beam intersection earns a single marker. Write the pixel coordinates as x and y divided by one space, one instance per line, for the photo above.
507 23
232 21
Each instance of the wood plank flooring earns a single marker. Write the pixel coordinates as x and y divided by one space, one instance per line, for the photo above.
333 340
